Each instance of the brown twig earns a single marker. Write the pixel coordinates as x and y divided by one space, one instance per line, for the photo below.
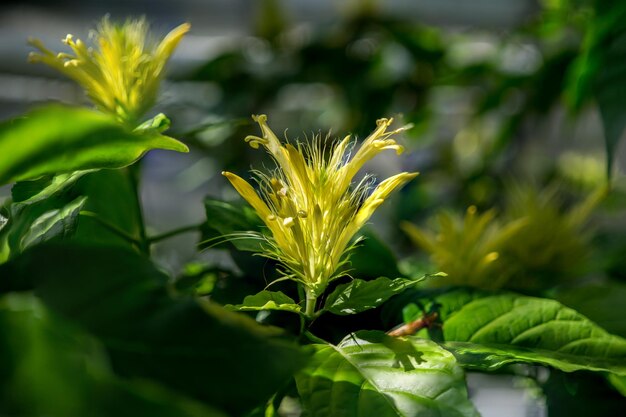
408 329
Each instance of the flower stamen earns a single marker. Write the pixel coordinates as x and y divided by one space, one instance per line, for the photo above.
319 208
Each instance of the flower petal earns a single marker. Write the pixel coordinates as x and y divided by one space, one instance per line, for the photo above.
372 202
247 192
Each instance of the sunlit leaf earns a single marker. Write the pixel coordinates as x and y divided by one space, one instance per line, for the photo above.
358 295
55 223
267 300
372 374
488 330
29 192
65 139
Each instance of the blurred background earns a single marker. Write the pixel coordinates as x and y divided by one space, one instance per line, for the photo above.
517 111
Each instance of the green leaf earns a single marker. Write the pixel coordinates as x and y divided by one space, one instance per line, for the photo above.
48 367
189 345
601 71
111 197
372 258
358 295
489 330
30 192
600 303
372 374
610 88
619 383
159 123
56 223
267 300
228 222
30 224
63 139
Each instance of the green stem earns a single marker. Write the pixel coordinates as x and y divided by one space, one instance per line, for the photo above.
180 230
119 232
311 301
134 176
314 338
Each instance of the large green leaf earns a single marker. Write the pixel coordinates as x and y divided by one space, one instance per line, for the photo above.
600 303
358 295
488 330
58 139
111 198
48 367
372 374
619 383
192 346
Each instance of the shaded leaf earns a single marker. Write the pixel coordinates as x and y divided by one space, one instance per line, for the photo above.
372 374
580 394
51 368
111 197
372 258
600 303
358 295
228 222
267 300
192 346
64 139
619 383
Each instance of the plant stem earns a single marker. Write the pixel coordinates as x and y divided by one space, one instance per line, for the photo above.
180 230
134 176
314 338
311 301
119 232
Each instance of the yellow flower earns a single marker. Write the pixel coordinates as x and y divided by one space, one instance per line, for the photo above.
311 205
122 75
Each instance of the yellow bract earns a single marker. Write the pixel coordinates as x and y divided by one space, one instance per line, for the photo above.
310 203
122 74
536 243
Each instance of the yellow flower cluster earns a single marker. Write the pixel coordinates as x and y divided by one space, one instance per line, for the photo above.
122 74
310 203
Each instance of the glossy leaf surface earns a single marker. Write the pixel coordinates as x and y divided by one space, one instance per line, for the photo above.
64 139
489 330
358 295
372 374
267 300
